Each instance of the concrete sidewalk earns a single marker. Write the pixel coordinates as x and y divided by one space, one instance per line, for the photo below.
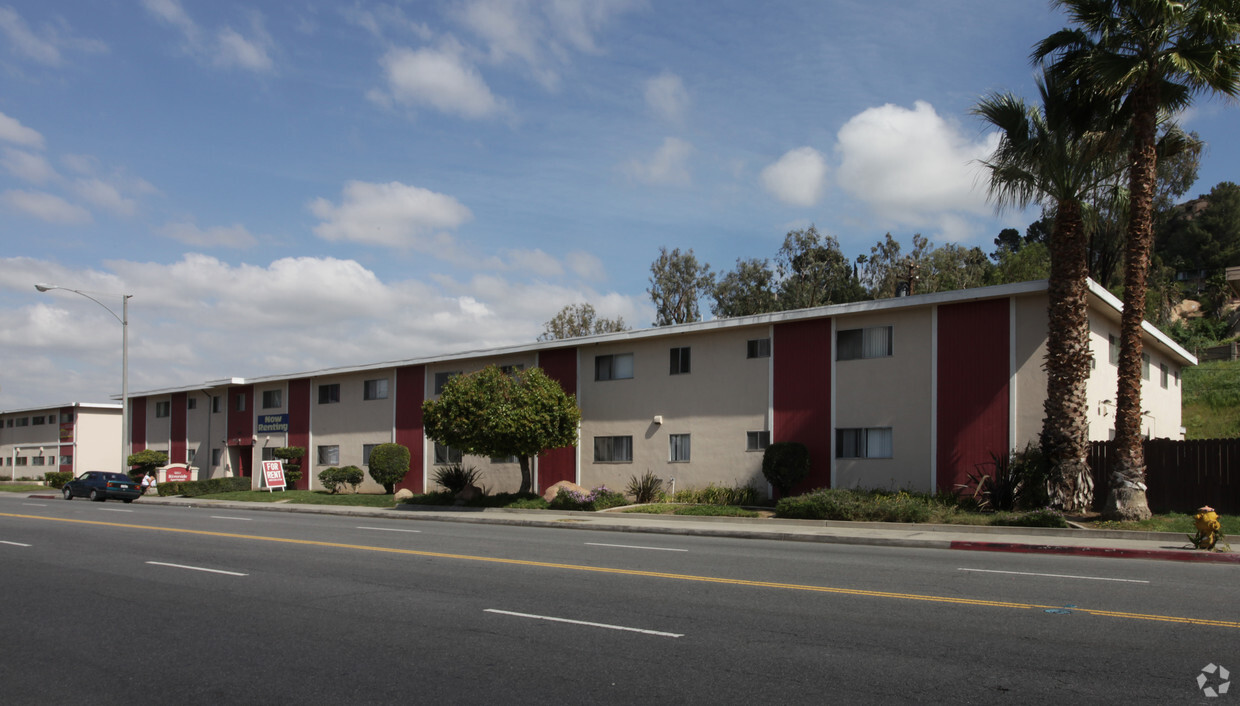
1080 542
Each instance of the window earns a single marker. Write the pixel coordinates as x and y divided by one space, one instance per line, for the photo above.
191 403
21 460
1145 366
10 423
269 453
163 409
66 418
329 455
758 348
504 459
190 455
873 342
679 361
442 379
446 454
366 451
511 369
66 460
36 460
240 406
215 457
38 421
1113 349
863 443
757 440
1175 375
23 421
215 404
376 389
678 448
329 394
613 449
1163 375
273 399
613 367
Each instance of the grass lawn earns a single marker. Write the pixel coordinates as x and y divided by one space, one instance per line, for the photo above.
1211 400
1170 522
24 488
695 510
306 497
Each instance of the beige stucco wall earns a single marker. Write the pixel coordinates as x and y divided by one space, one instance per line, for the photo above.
350 424
1028 367
1161 406
724 396
96 443
97 440
890 392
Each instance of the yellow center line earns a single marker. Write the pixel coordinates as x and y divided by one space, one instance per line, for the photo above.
653 574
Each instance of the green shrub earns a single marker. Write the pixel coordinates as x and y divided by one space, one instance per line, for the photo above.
646 489
334 479
195 488
292 457
784 464
57 479
718 495
714 511
144 462
457 477
388 465
858 506
599 498
1046 517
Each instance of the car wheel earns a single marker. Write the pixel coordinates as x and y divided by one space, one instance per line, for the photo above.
68 492
126 500
94 495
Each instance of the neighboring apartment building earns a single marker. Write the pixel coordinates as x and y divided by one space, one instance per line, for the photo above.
73 437
913 392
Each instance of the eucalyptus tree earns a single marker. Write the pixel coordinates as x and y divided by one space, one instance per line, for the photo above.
677 281
1150 57
579 320
1058 155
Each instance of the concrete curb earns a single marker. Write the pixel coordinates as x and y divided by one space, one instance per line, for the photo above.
1107 552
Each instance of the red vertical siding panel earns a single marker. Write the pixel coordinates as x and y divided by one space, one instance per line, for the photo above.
410 393
973 387
802 353
299 426
241 427
176 433
556 465
137 424
68 431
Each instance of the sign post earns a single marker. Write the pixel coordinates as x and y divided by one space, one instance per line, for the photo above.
273 475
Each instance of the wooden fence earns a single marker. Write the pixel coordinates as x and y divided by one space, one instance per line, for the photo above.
1181 475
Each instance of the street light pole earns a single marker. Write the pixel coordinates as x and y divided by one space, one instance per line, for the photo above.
124 319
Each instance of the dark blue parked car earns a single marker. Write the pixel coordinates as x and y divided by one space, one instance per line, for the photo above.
101 485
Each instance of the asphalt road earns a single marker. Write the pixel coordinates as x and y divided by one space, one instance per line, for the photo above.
114 603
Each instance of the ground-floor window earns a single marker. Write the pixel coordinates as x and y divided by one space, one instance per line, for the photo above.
678 448
329 455
757 440
873 442
446 455
613 449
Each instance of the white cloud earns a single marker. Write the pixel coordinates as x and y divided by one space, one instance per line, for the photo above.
797 178
11 130
393 214
233 236
586 266
106 196
440 78
27 166
668 165
666 97
44 46
911 166
171 12
45 207
236 51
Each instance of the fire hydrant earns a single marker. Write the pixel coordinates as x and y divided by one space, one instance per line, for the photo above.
1209 530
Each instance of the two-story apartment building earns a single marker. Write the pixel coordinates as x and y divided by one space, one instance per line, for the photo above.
913 392
73 437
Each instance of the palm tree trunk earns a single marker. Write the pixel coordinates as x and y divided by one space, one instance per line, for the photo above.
1126 498
1065 428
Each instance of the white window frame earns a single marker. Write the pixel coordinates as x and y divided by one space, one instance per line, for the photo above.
613 449
270 396
758 348
613 366
865 442
874 342
679 448
327 455
757 440
329 393
376 389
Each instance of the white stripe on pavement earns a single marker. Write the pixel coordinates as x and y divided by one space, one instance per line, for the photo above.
583 622
632 546
1056 576
390 529
15 544
196 568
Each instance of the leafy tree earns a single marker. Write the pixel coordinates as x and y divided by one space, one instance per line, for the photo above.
813 271
1058 155
677 281
747 290
1031 262
292 456
146 461
952 266
388 464
1008 239
492 413
884 268
579 320
1152 56
1207 240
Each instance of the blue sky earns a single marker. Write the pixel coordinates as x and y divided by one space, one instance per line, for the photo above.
289 186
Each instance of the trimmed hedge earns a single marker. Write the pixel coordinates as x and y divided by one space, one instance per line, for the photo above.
858 505
194 488
57 479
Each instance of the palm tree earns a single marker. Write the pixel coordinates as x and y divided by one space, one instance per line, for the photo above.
1152 56
1058 155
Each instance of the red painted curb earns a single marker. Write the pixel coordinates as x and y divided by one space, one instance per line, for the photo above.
1163 554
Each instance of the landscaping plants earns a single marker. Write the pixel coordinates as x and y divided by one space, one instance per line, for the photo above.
599 498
